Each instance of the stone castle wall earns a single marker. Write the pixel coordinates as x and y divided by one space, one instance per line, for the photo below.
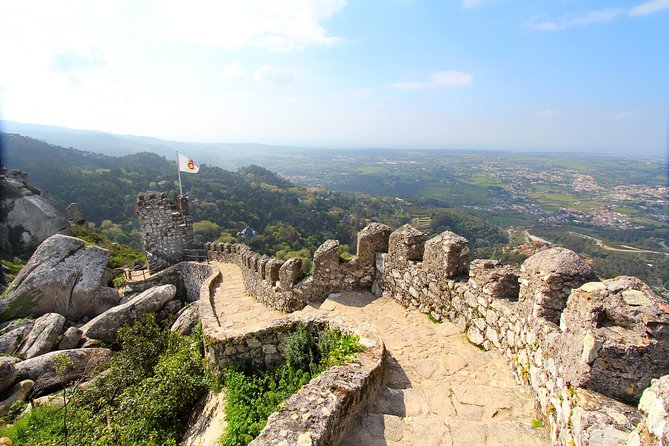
187 277
167 229
278 283
589 350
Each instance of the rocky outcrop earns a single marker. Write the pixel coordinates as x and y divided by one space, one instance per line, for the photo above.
43 337
63 276
70 338
7 373
654 404
61 367
75 214
13 334
615 338
30 216
187 319
105 326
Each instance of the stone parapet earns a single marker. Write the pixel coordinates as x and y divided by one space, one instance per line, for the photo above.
187 277
587 350
321 410
279 284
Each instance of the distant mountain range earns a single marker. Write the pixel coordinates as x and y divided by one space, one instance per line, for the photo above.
226 155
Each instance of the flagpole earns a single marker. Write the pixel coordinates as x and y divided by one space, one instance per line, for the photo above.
181 191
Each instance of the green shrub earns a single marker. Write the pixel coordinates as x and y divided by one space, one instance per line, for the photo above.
13 413
253 397
301 351
337 348
119 282
144 398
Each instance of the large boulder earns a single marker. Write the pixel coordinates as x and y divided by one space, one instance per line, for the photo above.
7 373
187 319
615 338
63 276
13 334
105 326
70 338
61 367
43 337
30 215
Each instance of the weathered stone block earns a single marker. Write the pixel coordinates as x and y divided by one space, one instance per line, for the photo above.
372 239
615 338
654 404
547 278
273 268
407 243
326 259
494 279
289 273
447 255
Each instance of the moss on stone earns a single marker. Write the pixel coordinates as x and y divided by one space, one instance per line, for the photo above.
21 305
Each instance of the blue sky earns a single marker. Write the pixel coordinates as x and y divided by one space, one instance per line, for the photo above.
493 74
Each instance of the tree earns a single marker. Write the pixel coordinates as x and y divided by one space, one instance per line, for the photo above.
206 231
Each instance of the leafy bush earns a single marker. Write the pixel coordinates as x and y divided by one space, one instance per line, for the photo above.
301 350
143 399
14 411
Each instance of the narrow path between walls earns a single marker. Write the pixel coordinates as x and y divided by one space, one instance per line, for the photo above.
439 389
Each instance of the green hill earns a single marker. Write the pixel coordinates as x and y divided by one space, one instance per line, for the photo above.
285 217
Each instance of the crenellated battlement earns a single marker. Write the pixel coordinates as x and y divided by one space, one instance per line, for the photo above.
588 350
167 228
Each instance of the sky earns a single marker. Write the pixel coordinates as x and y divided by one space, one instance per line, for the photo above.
575 75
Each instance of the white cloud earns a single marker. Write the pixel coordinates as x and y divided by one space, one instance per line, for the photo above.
592 17
232 69
649 7
278 26
268 73
585 19
450 78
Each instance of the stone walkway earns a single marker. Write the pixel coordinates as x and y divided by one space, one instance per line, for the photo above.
439 389
234 307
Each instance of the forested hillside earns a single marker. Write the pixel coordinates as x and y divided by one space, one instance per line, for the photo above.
286 217
288 220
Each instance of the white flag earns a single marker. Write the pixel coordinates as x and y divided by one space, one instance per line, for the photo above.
186 164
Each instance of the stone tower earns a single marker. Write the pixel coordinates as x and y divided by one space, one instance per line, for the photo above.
167 229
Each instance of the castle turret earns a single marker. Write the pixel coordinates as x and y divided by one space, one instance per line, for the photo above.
167 229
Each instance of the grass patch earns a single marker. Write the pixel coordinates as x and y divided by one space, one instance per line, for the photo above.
14 265
119 255
537 423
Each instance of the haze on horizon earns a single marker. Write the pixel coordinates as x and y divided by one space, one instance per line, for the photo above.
486 74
